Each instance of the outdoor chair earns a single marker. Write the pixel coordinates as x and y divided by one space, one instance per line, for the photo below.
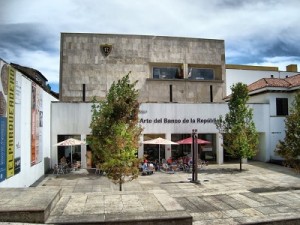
202 164
166 168
58 169
187 168
147 171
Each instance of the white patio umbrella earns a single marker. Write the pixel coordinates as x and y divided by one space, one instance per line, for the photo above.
70 142
160 141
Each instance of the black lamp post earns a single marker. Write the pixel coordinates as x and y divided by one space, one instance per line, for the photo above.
195 156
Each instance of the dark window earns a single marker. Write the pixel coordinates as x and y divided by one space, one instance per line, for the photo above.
201 74
282 106
167 73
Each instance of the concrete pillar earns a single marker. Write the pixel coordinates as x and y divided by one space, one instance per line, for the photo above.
185 70
168 148
83 152
141 147
219 149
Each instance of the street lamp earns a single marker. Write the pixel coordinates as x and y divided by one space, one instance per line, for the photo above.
195 156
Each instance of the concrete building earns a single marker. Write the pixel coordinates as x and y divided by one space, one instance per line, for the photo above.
169 69
182 86
171 72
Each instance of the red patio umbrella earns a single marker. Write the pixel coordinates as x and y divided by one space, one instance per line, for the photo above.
190 141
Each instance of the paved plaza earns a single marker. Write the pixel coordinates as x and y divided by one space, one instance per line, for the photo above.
263 192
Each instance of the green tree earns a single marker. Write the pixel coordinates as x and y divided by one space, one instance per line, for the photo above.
115 132
289 149
240 138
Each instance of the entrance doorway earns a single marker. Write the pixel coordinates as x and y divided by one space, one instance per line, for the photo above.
65 151
151 152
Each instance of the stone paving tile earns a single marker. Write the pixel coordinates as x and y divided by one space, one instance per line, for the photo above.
259 198
150 203
233 213
94 204
229 221
187 205
248 201
169 203
75 205
218 204
201 204
250 212
231 201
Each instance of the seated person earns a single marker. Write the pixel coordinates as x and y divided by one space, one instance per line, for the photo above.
63 160
146 170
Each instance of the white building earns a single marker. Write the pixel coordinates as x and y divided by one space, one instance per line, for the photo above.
278 94
250 74
25 147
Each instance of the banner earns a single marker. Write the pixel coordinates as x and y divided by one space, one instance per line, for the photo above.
10 122
10 162
36 124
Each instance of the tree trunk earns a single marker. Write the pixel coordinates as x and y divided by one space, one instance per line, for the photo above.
240 164
120 185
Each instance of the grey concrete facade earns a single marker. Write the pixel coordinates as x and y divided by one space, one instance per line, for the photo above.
83 66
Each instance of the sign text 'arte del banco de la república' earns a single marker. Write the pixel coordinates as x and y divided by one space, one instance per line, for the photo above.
178 121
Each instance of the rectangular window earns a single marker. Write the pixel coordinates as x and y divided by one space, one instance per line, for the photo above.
282 108
167 73
201 74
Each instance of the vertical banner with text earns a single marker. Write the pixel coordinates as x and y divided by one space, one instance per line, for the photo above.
10 121
36 124
10 162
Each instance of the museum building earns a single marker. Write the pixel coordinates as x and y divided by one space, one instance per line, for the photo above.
181 83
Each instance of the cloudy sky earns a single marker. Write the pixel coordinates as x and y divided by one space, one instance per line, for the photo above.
256 32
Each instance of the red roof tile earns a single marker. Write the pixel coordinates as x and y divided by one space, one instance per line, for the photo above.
287 83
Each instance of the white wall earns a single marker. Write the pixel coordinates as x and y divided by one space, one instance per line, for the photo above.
30 174
74 118
69 119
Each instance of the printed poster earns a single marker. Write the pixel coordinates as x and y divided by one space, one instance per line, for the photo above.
10 116
36 124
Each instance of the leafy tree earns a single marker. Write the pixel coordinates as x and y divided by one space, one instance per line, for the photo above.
289 149
115 132
240 138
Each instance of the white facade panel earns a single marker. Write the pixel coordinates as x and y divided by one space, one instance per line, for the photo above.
156 118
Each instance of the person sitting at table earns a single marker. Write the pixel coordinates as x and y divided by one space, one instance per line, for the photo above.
63 160
169 161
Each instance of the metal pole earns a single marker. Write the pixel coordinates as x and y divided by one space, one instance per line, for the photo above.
196 154
193 155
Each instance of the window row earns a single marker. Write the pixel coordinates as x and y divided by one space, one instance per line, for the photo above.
194 73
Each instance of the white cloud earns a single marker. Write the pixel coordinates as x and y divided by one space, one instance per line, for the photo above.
42 61
255 32
280 62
